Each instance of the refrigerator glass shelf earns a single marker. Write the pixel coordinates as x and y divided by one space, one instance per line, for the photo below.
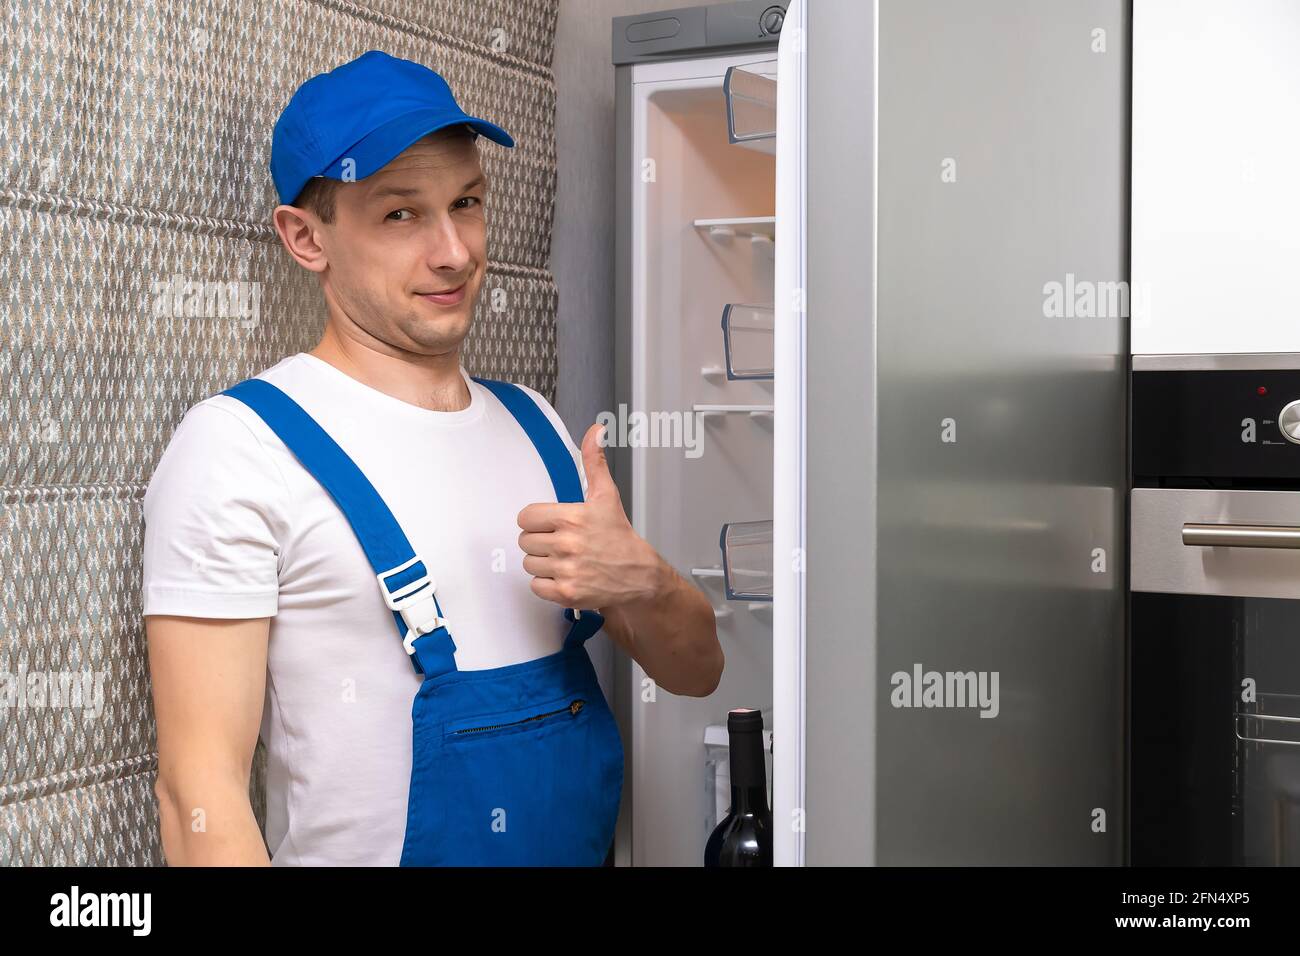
758 228
751 105
747 341
747 560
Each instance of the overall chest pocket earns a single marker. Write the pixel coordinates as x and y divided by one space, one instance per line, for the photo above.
520 720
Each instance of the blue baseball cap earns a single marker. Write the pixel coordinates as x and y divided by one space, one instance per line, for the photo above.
368 110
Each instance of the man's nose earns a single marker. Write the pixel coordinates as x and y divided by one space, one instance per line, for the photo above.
447 250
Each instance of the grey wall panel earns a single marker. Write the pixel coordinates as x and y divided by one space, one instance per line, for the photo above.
1003 169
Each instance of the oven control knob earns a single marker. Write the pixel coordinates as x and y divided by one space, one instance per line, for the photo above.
1289 422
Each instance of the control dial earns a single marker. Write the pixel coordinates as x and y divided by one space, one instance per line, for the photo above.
771 20
1289 422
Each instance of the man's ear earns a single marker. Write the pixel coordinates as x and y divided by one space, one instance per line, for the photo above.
300 233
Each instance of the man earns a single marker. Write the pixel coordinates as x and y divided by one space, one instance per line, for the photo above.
261 606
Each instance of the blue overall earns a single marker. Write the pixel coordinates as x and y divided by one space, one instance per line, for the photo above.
519 765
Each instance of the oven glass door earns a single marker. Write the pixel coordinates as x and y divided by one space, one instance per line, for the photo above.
1215 731
1214 692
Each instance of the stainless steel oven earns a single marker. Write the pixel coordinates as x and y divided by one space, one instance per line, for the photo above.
1214 649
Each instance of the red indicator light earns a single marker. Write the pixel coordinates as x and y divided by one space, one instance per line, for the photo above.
1261 390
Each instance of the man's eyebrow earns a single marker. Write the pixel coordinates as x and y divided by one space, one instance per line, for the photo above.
394 191
384 191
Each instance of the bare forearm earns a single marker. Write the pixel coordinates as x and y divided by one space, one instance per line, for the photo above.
216 829
673 635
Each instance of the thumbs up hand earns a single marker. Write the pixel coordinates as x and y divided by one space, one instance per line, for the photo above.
586 554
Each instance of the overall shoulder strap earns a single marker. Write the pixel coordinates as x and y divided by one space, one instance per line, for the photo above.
404 581
547 441
564 478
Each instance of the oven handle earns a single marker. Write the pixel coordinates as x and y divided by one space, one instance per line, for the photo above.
1241 536
1264 740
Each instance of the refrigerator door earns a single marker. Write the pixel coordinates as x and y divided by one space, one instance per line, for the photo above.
788 445
965 412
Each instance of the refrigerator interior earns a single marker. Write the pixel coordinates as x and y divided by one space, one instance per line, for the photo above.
702 239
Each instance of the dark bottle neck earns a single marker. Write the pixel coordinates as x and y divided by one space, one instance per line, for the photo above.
748 800
748 773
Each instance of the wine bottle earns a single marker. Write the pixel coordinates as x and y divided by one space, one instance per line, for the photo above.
744 835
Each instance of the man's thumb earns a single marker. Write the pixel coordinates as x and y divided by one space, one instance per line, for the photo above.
599 480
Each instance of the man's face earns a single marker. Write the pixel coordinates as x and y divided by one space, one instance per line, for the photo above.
400 236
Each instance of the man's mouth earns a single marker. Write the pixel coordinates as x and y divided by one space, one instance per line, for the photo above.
445 296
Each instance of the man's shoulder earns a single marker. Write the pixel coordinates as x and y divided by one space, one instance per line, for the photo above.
224 416
537 397
220 444
218 422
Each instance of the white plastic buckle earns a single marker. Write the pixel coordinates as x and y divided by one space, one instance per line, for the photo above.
414 601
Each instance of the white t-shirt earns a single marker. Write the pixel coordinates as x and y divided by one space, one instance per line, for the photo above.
236 527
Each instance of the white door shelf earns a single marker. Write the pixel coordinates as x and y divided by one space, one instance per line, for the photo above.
747 560
761 228
751 105
747 341
709 409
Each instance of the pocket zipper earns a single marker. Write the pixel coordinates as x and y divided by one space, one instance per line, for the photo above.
573 708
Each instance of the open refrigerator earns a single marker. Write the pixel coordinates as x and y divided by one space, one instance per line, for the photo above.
781 373
701 480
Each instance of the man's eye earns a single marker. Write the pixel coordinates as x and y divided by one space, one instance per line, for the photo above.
396 212
473 199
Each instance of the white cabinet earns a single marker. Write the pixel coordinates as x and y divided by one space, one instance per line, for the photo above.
1216 199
